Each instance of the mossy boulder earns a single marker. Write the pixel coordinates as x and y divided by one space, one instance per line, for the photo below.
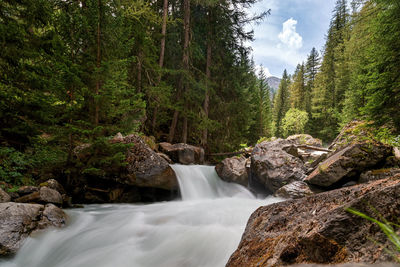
348 162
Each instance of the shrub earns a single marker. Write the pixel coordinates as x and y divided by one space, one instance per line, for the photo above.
294 122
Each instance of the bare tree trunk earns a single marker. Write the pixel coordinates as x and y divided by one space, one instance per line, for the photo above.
139 70
163 33
185 61
161 60
98 64
173 126
208 77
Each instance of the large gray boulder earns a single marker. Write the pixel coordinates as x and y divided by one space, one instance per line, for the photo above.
233 170
318 229
4 197
183 153
273 165
18 221
146 168
348 162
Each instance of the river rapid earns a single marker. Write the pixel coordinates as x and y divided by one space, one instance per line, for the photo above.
200 230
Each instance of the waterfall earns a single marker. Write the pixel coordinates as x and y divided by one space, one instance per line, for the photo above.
201 230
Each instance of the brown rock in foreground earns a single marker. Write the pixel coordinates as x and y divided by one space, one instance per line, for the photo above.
18 221
317 229
350 265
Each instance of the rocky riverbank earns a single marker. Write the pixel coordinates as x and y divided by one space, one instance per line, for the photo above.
314 227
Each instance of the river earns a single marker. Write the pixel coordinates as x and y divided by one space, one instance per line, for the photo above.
200 230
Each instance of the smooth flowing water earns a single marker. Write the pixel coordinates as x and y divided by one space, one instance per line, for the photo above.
202 229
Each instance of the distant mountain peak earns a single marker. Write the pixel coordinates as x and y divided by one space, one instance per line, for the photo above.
273 83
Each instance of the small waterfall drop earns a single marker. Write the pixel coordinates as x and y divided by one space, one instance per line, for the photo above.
201 230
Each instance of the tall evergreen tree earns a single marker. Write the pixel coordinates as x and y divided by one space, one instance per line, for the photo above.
281 104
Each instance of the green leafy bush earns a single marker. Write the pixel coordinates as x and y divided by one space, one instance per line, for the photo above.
14 165
294 122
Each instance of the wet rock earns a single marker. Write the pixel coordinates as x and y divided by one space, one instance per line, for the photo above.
294 190
233 170
348 162
374 175
305 139
52 216
18 221
318 229
44 195
4 197
273 167
183 153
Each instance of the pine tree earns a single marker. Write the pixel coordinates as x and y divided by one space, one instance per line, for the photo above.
281 104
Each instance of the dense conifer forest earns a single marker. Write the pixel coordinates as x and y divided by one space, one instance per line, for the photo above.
79 72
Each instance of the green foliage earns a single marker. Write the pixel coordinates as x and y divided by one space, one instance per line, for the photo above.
294 122
101 159
281 104
14 166
388 228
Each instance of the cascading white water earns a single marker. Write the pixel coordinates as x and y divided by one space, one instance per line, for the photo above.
202 230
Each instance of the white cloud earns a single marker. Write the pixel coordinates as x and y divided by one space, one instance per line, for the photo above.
266 70
288 36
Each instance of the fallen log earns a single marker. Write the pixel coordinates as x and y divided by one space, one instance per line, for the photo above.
314 148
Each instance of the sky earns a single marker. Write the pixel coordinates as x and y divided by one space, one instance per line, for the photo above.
286 37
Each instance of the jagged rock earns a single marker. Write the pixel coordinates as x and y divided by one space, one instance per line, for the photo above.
348 162
318 229
183 153
27 189
18 221
305 139
233 170
44 195
374 175
4 197
273 167
297 189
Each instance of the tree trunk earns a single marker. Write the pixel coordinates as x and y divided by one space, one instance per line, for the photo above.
173 126
98 64
185 61
208 77
161 60
139 70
